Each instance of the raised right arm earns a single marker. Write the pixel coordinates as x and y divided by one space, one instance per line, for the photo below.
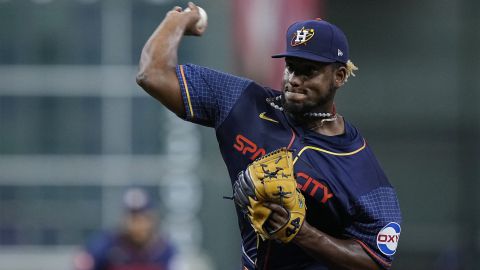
158 60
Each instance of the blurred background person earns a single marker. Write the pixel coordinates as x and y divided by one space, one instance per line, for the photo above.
136 245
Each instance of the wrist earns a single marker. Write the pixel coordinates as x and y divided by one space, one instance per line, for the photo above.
176 21
303 233
182 22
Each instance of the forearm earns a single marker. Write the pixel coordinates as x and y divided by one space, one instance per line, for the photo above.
159 55
343 254
157 75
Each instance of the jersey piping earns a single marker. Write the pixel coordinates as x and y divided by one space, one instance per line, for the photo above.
329 152
186 91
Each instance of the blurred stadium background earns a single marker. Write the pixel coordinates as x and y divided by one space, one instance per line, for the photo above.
75 130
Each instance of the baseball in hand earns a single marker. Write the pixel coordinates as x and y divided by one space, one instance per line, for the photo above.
202 22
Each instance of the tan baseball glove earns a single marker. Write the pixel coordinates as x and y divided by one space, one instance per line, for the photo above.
271 179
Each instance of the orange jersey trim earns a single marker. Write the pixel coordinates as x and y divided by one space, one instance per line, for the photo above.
291 140
186 90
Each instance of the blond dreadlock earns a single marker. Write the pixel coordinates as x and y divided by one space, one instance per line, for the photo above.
350 69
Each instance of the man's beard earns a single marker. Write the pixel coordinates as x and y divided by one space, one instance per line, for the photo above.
299 110
295 109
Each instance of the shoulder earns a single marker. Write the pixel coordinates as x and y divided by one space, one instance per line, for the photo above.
213 78
349 163
253 98
101 241
366 164
351 130
163 248
255 90
210 75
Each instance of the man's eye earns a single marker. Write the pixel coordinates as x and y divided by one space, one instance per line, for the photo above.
308 71
301 70
305 72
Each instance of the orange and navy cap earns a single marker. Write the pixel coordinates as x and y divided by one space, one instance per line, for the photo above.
316 40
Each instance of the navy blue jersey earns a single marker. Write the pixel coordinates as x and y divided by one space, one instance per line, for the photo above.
113 251
347 193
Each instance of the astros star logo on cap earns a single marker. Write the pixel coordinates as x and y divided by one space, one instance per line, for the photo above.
316 40
302 36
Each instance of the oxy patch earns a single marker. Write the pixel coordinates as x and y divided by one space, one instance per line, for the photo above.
387 238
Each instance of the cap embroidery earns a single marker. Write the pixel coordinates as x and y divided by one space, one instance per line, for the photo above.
302 36
339 52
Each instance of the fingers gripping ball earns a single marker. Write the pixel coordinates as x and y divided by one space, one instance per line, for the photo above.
202 22
271 179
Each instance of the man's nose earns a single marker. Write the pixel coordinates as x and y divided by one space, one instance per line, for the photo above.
295 80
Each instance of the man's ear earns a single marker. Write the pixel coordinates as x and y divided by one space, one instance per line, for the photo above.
340 76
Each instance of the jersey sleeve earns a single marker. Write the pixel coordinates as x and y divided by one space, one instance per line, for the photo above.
376 224
208 95
97 248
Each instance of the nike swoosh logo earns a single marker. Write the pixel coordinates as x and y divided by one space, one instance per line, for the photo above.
264 117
